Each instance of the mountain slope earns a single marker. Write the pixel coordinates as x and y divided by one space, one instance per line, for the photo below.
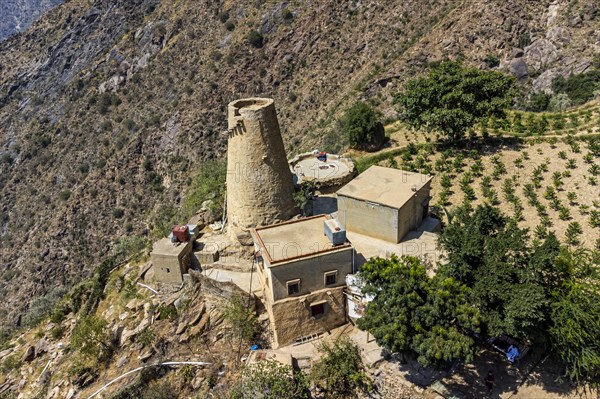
106 107
17 15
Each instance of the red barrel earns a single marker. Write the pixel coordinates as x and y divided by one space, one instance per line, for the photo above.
182 233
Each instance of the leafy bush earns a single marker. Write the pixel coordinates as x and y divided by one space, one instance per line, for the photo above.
560 102
91 337
451 99
241 318
229 25
538 102
579 88
208 182
41 307
255 39
270 379
360 125
339 370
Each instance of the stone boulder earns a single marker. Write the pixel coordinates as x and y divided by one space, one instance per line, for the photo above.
518 68
541 53
29 354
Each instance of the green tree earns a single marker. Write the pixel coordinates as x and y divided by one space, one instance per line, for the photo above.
339 370
91 338
575 315
451 99
490 254
362 127
270 379
412 312
241 318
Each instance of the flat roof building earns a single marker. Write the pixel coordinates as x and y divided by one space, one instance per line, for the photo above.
303 274
384 203
170 260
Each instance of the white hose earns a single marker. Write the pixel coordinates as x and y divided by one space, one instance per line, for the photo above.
143 367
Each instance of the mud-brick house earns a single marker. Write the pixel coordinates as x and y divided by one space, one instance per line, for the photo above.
302 267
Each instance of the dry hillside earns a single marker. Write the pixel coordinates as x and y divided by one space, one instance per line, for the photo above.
108 107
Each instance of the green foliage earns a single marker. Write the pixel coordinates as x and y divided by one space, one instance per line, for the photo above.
241 319
64 195
359 125
538 102
339 370
9 364
451 98
91 338
303 194
490 254
573 232
42 306
578 88
541 293
270 379
287 14
412 312
255 39
575 315
491 60
208 183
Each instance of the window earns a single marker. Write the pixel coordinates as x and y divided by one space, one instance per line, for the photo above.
293 287
331 277
317 309
168 270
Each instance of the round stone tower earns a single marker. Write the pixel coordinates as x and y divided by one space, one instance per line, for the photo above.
259 180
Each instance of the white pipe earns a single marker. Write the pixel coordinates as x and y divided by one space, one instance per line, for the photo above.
143 367
145 286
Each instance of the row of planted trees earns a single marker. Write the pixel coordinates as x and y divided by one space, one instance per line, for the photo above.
495 282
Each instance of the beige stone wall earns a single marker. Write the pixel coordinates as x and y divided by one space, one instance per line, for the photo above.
259 181
380 221
411 214
370 219
291 318
311 273
170 268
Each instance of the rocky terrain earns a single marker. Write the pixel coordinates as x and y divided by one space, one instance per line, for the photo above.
107 108
17 15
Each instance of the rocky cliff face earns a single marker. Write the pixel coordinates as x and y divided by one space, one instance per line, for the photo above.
17 15
106 106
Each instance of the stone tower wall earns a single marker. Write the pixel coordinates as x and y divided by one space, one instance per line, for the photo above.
259 180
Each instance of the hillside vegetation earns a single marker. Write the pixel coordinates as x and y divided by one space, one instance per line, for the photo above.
108 108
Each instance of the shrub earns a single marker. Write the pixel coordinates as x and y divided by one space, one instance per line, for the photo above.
287 14
538 102
270 379
491 60
339 370
64 195
223 16
573 232
361 125
91 338
560 102
229 25
578 88
255 39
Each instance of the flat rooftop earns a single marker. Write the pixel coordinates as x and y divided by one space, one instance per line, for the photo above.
164 246
385 186
296 239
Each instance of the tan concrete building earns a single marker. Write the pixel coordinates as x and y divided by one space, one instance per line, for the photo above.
170 260
384 203
303 277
